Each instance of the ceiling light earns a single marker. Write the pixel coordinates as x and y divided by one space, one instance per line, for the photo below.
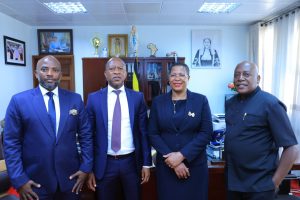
66 7
218 7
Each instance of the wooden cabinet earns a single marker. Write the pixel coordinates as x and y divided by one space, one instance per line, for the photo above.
67 67
152 73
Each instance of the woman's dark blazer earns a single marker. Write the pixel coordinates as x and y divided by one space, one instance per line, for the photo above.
193 134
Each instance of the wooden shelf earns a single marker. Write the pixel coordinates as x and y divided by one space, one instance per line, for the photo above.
152 74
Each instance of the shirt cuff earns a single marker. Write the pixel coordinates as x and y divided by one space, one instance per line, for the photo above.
147 167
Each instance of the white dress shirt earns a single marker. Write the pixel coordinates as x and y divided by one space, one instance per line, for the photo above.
56 102
127 145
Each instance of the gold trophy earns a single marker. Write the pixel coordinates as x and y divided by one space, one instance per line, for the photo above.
96 43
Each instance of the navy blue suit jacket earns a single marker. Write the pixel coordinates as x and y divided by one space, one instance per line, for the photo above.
195 131
32 151
97 110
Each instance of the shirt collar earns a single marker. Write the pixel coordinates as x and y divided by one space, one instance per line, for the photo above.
44 91
111 89
248 96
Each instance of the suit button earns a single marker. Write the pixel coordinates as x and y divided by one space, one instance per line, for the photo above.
177 134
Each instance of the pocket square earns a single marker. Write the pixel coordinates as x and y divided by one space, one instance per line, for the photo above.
73 112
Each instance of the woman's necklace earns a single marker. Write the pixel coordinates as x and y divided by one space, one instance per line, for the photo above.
176 99
174 105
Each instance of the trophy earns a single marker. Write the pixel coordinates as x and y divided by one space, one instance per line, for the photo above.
96 44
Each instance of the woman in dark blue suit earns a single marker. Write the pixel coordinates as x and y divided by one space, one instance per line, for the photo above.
180 127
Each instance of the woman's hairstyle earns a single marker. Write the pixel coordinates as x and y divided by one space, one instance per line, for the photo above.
207 39
185 66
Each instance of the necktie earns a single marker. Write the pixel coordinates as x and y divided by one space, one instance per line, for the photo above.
116 125
51 110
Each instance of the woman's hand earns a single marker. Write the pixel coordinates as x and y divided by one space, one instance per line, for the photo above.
173 159
182 171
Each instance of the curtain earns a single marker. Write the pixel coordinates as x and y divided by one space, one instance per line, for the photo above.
253 42
279 61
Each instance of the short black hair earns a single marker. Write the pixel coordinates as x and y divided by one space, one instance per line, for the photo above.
185 66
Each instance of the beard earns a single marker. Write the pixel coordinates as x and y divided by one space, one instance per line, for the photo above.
49 86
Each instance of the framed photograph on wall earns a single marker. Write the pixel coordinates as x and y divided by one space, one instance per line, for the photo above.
206 49
14 51
55 41
118 45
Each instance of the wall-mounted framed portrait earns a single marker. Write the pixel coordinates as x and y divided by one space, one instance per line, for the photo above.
14 51
206 49
118 45
55 41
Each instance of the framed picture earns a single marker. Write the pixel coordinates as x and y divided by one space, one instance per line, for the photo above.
14 51
206 49
118 45
55 41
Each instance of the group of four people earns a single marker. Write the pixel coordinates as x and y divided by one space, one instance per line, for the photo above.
44 125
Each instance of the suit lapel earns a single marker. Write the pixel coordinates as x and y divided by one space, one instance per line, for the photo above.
41 111
63 99
103 104
130 106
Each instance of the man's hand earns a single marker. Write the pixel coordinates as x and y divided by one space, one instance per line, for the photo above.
81 177
26 192
173 159
182 171
145 175
91 183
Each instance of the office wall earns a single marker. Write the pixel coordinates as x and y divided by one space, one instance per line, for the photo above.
14 78
211 82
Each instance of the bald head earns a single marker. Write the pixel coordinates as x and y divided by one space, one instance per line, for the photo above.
250 64
246 78
48 72
48 58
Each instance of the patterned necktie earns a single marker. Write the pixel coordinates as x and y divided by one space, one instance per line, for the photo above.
116 125
51 110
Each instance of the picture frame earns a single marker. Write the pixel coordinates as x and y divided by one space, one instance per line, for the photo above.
55 41
118 45
206 49
14 51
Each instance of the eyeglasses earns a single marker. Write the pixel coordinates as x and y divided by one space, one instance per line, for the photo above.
180 75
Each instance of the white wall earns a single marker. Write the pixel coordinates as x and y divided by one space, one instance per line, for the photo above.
211 82
14 78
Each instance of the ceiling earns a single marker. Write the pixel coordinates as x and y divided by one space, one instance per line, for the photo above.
144 12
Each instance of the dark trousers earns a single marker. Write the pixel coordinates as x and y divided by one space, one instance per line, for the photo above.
266 195
58 195
120 180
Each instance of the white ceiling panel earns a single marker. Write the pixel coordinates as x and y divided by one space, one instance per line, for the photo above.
144 12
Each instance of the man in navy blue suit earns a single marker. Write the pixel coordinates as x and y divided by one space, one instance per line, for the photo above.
125 166
42 126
